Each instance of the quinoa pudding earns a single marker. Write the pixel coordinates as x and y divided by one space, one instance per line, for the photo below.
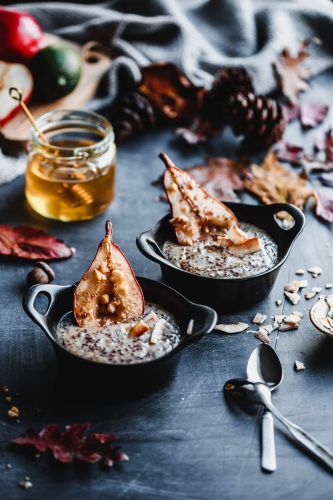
122 343
206 257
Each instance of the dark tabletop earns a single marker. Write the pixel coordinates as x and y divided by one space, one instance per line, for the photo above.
185 440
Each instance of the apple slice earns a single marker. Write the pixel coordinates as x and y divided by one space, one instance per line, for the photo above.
13 75
196 213
108 292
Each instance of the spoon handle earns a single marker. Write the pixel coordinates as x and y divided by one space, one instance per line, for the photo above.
299 434
268 457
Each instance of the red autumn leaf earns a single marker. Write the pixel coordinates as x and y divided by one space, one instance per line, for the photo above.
291 72
324 206
313 114
221 177
74 442
291 153
170 91
30 243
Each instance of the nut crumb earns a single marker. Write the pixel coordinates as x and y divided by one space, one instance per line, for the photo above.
13 412
294 298
298 366
263 337
259 318
25 484
300 271
278 302
310 295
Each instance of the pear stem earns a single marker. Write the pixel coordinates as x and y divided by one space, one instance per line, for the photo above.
166 160
108 228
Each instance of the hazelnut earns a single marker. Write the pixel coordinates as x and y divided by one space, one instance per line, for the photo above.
13 412
104 267
41 273
104 299
100 276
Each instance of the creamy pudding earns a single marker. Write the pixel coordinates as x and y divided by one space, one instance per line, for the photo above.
206 257
122 343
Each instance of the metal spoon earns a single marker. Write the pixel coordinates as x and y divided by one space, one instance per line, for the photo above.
256 392
264 366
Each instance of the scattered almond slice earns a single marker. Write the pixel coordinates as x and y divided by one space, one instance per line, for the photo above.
298 313
298 366
266 329
278 318
292 319
139 329
328 285
232 327
278 302
310 295
315 271
316 289
285 327
262 336
295 285
190 327
300 271
259 318
294 298
157 332
150 318
329 301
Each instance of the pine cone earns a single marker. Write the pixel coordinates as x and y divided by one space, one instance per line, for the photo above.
132 115
258 118
227 82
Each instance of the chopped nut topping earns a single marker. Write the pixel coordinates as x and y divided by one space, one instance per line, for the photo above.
298 313
104 267
310 295
13 412
150 318
316 289
300 272
328 285
25 484
266 329
262 336
259 318
104 299
315 271
278 302
292 319
294 298
295 285
100 276
139 329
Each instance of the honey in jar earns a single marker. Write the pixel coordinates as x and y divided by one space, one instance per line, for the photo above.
71 177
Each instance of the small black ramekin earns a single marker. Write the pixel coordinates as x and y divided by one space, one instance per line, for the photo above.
224 294
137 377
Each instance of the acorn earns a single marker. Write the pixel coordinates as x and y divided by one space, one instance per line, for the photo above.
40 274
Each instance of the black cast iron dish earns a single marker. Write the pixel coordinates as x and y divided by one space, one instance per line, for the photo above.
226 295
122 377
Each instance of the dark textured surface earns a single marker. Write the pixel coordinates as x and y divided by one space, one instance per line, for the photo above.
184 441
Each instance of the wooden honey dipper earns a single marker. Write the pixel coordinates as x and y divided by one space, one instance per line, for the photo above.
75 194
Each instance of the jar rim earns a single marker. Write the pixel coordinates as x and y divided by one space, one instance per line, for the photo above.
46 122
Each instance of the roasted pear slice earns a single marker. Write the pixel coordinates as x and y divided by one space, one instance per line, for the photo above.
196 213
108 292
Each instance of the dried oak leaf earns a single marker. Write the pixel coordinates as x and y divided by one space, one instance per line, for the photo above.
73 442
31 243
291 72
324 206
313 114
274 183
290 153
170 91
221 177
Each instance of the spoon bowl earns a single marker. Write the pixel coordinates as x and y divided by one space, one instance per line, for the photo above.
265 366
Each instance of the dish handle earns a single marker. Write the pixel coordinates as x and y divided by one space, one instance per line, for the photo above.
52 292
150 249
203 321
294 212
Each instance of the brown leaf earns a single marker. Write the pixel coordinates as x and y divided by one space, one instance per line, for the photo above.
170 91
221 177
274 183
324 206
31 243
291 72
74 442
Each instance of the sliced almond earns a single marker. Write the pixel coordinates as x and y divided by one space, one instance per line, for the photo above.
310 295
263 337
278 302
139 329
267 329
100 276
150 318
300 271
285 327
232 328
315 270
298 313
292 319
298 366
294 298
189 330
259 318
292 287
316 289
328 285
157 333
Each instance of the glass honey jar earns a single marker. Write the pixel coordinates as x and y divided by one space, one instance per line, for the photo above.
71 177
